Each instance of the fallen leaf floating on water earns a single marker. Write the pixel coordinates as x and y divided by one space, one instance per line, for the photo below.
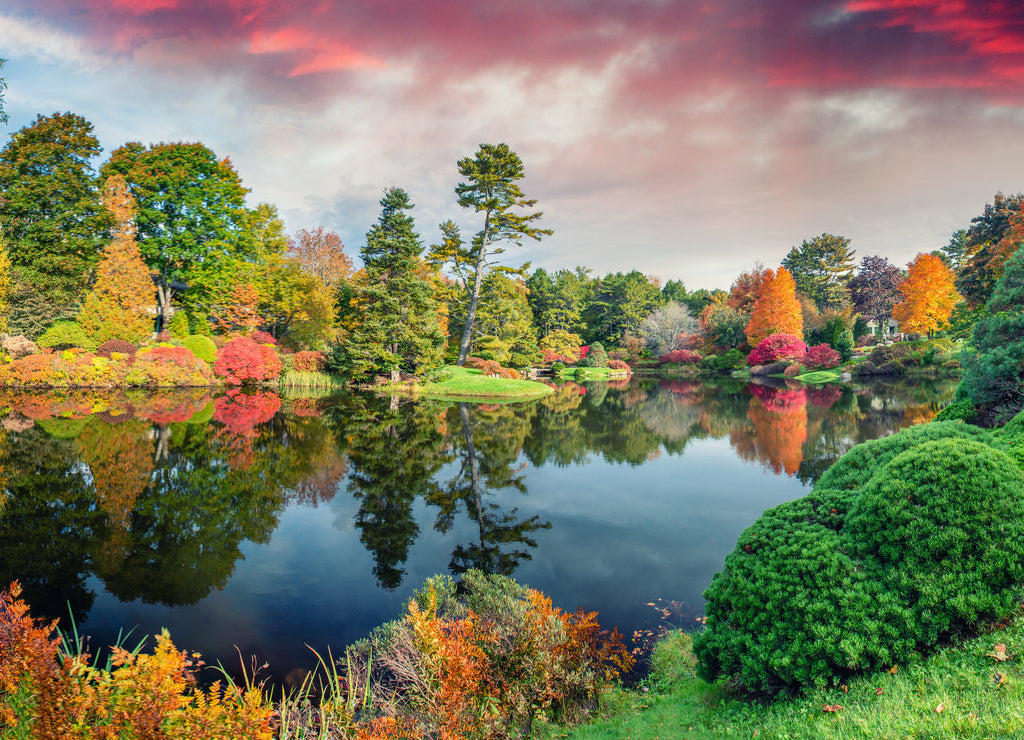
998 652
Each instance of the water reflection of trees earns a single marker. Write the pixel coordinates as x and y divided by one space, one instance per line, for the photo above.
156 494
152 494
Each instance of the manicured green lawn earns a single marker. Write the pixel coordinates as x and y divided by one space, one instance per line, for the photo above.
969 691
468 384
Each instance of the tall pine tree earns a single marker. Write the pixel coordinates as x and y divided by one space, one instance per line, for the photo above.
400 331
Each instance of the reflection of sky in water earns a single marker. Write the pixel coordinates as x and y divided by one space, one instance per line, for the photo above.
621 536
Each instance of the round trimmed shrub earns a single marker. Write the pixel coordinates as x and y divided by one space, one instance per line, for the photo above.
921 537
243 361
64 334
111 346
201 346
857 466
944 521
777 347
793 609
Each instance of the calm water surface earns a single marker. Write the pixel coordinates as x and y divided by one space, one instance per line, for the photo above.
269 523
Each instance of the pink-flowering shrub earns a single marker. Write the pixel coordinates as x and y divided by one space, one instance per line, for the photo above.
618 365
821 356
679 357
168 366
262 337
310 362
776 347
242 361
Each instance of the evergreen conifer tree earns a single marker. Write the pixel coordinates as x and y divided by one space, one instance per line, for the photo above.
994 377
400 331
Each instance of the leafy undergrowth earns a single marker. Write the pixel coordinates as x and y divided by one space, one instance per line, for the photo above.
970 690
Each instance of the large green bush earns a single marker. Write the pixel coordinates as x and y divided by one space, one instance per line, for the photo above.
64 334
201 345
904 541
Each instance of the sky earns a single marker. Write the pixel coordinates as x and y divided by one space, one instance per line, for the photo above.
688 140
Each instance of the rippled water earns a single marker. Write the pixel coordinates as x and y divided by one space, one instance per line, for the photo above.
266 524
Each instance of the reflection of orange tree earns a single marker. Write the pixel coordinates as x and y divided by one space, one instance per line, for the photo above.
918 413
121 461
780 418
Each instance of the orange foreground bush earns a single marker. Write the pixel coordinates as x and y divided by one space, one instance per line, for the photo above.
52 696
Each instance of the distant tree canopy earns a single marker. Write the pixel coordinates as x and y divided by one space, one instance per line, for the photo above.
50 205
192 221
875 289
991 239
821 268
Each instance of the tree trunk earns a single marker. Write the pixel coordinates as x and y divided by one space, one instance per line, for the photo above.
474 472
474 297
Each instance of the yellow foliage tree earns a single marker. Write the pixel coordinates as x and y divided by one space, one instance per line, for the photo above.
928 295
5 282
240 310
122 301
776 309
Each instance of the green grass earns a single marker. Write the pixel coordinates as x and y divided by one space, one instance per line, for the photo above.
953 694
591 373
820 376
469 384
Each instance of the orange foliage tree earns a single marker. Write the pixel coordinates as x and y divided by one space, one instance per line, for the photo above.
240 310
122 302
776 310
928 295
321 253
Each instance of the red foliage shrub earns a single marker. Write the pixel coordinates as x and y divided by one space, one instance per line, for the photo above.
242 360
550 357
262 337
308 361
618 365
584 350
821 356
111 346
777 347
680 357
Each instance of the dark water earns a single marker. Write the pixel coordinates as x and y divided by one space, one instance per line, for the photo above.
267 524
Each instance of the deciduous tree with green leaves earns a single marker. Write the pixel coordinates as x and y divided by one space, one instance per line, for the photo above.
50 206
399 329
491 188
192 220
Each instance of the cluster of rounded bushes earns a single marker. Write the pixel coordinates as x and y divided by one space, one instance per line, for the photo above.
194 360
902 543
789 348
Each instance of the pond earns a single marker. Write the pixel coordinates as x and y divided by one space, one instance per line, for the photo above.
256 524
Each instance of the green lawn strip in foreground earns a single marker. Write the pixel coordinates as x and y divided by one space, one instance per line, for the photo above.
469 384
971 690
